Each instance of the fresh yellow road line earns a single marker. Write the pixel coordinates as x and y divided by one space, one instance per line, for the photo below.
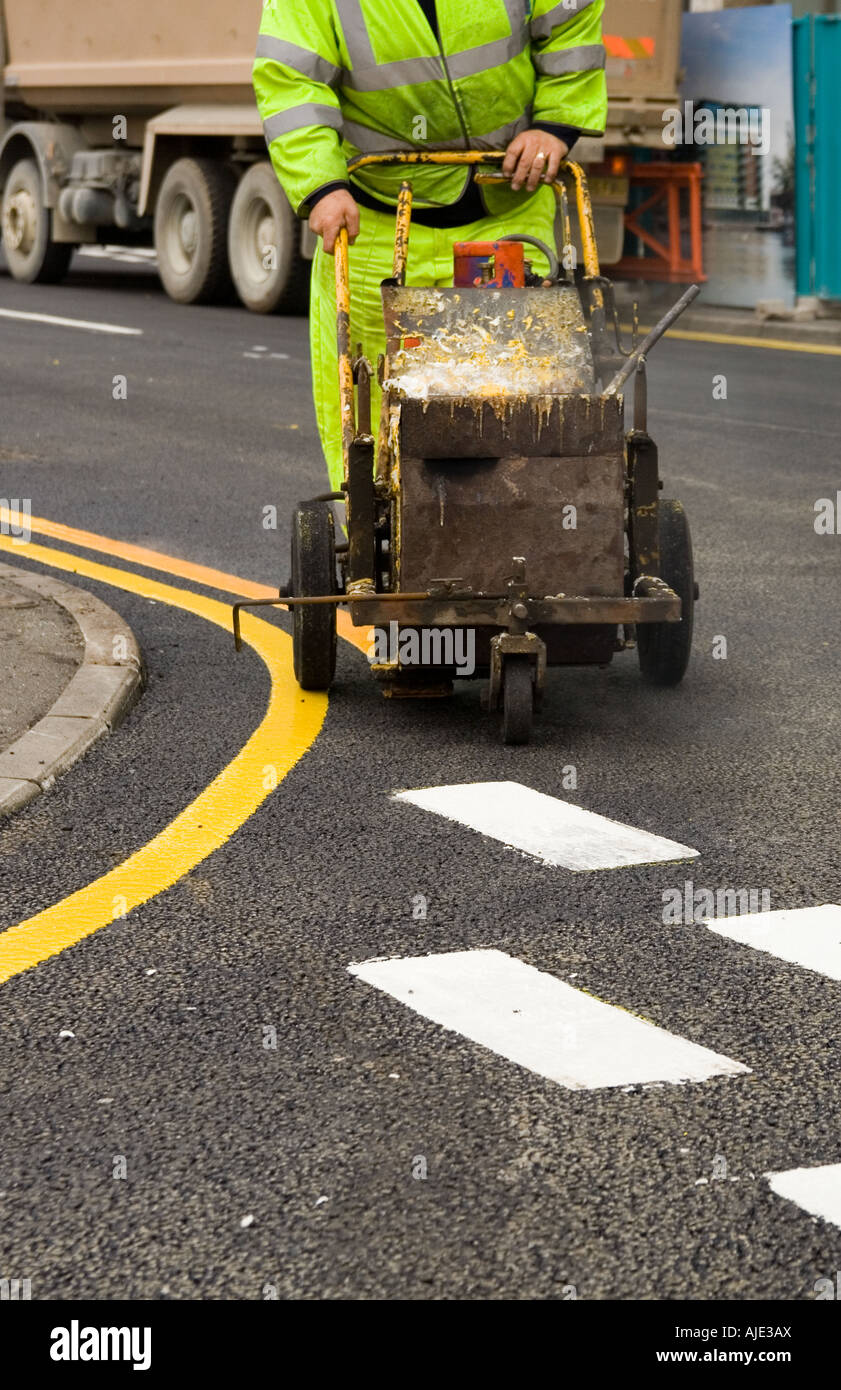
775 344
139 555
289 727
357 636
169 564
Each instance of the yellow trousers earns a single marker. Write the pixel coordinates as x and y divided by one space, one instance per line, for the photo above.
430 262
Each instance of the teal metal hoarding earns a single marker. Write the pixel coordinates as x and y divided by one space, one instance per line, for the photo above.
817 120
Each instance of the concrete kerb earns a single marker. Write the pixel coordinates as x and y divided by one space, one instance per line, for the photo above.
97 698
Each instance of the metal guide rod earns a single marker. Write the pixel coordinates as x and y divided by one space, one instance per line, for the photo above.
642 606
652 338
282 602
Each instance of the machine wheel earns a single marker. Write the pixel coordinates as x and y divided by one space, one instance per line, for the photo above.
517 699
191 230
664 647
313 572
263 229
31 254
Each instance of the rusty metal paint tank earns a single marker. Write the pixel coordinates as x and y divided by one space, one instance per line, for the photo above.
496 265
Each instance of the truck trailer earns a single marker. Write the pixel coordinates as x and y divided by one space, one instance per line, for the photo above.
136 124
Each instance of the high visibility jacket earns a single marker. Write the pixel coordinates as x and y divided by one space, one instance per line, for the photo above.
336 78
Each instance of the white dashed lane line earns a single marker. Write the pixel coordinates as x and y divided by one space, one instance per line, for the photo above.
540 1022
136 255
809 936
262 354
555 832
54 321
816 1190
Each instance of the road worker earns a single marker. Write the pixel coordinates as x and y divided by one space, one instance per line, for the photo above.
339 78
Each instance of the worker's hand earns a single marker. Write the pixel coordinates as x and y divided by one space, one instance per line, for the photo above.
533 157
339 209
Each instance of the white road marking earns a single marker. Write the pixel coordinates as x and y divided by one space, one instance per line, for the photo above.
809 936
136 255
71 323
556 832
816 1190
539 1022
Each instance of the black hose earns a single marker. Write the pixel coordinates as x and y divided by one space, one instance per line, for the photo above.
554 263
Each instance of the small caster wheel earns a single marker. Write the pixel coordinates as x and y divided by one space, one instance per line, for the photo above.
517 700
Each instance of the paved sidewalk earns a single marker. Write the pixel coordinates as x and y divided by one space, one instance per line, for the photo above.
42 649
71 670
705 318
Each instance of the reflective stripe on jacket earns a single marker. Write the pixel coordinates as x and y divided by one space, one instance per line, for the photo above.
336 78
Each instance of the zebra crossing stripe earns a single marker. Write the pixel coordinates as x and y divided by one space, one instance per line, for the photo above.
809 936
540 1022
816 1190
553 831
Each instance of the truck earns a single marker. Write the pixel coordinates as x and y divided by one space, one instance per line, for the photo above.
136 125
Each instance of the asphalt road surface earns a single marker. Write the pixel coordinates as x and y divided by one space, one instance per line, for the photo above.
200 1100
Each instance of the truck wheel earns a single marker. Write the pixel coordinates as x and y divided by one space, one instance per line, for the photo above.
31 254
517 699
313 573
664 648
191 230
264 239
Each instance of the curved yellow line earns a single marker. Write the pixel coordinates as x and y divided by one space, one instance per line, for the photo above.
739 340
290 725
171 564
